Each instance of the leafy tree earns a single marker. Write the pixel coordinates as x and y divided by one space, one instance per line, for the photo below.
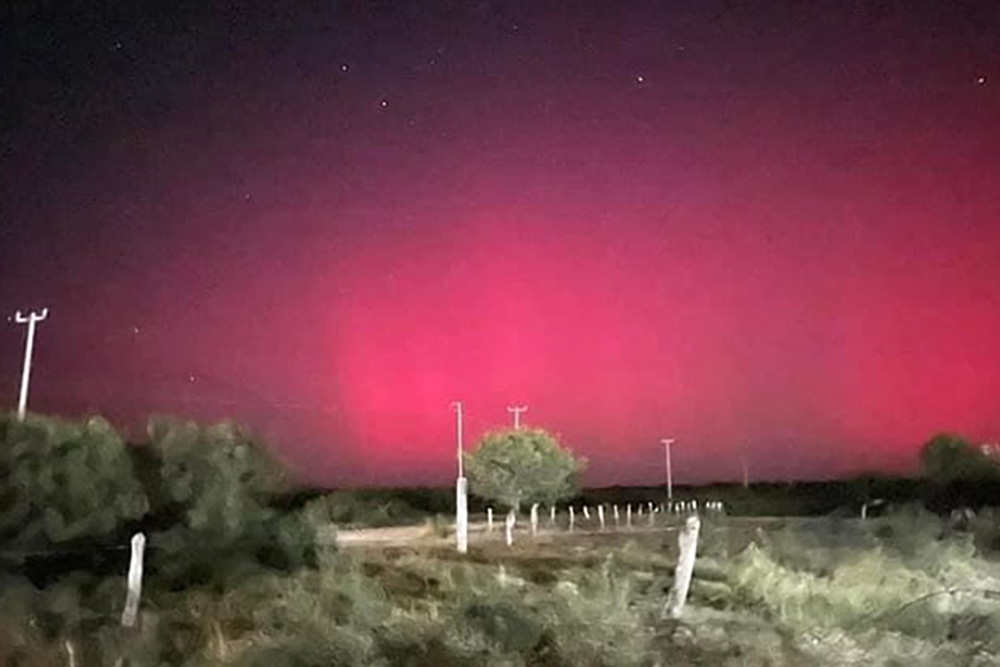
214 498
950 458
523 466
63 481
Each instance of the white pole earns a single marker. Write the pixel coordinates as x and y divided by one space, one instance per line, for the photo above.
628 515
614 510
489 519
534 519
572 518
457 407
687 539
461 516
746 472
134 581
32 319
516 411
461 489
552 515
509 527
586 513
667 442
600 515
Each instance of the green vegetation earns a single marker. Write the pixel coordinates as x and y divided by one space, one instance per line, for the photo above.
948 458
523 466
242 571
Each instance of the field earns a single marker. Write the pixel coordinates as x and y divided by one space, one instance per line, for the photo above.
807 591
905 588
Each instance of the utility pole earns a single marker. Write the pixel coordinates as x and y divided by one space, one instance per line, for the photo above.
31 319
516 411
667 444
461 497
746 471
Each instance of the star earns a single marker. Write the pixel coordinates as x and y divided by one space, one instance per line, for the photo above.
384 104
981 80
136 329
345 67
191 378
640 79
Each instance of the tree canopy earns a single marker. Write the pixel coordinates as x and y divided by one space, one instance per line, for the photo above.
213 489
950 458
211 500
62 481
520 466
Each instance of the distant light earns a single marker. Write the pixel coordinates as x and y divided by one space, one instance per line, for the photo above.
640 79
384 104
981 80
345 67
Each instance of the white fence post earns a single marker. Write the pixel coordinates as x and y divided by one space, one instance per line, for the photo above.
534 520
509 527
461 516
600 515
552 515
586 513
614 511
572 518
628 515
687 540
489 519
134 581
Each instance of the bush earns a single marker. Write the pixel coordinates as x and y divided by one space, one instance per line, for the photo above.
64 482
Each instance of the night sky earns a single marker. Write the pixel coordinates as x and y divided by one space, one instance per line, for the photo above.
760 227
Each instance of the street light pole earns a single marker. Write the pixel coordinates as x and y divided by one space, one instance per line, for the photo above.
667 444
461 497
31 319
